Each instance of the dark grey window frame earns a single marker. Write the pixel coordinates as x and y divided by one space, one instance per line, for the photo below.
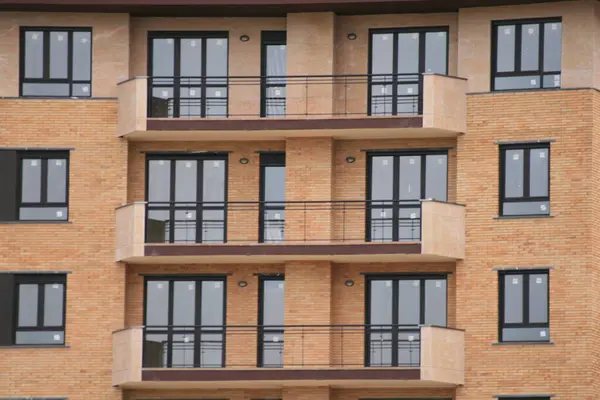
517 72
40 280
526 300
525 198
46 61
44 156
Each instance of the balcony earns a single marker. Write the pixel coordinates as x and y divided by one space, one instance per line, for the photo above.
190 357
251 232
264 108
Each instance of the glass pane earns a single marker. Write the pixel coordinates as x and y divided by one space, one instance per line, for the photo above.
186 179
81 90
190 103
216 101
551 81
31 183
276 60
82 56
275 101
213 226
185 226
538 170
45 89
274 226
274 184
381 224
517 82
155 351
53 304
409 223
191 57
410 177
157 303
34 54
59 50
57 180
380 302
273 350
163 57
45 337
212 303
43 213
382 177
552 46
184 303
409 302
158 226
28 305
538 298
525 335
436 177
159 180
216 57
381 98
435 302
183 350
513 299
409 348
273 302
530 47
436 47
505 49
380 349
214 180
526 208
162 102
408 53
513 174
382 53
211 350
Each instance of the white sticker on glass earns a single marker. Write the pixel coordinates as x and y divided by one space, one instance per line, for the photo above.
188 215
280 286
277 216
440 161
161 162
57 337
85 89
543 207
415 283
33 163
542 154
216 163
193 43
388 284
413 215
277 92
219 42
60 38
438 284
507 31
441 34
83 40
384 89
218 93
217 285
159 285
382 214
192 92
55 286
35 36
533 82
415 36
191 286
409 90
515 281
275 339
59 214
515 157
411 161
188 164
538 280
384 162
384 37
554 27
531 31
542 333
411 338
169 41
186 339
164 94
59 163
282 47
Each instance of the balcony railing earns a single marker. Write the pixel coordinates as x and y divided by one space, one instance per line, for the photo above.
281 222
282 346
285 96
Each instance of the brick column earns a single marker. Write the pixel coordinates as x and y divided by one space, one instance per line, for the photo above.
308 302
310 51
309 177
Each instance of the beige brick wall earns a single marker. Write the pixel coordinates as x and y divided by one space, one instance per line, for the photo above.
110 47
84 246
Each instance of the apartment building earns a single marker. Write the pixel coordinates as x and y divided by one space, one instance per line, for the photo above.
299 200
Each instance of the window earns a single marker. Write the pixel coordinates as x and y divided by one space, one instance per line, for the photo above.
44 186
273 71
271 321
272 197
397 61
56 62
184 322
396 184
525 179
524 306
396 306
188 73
40 305
186 197
526 54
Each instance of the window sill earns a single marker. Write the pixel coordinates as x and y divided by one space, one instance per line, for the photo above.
37 346
521 343
501 217
35 222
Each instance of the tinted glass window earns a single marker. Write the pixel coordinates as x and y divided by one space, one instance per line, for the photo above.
82 57
31 181
382 53
57 180
409 302
34 54
435 300
274 184
436 181
216 57
381 303
28 304
538 172
408 53
159 180
186 180
191 57
273 302
214 180
410 177
157 302
513 298
552 46
436 52
530 41
53 304
505 48
163 62
514 173
212 299
59 47
538 298
382 174
184 303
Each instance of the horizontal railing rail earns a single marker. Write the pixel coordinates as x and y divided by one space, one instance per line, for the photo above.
285 96
248 222
277 346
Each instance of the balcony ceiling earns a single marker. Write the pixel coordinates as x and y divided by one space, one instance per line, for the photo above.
247 8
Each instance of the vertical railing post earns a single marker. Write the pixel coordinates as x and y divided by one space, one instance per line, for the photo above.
306 95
